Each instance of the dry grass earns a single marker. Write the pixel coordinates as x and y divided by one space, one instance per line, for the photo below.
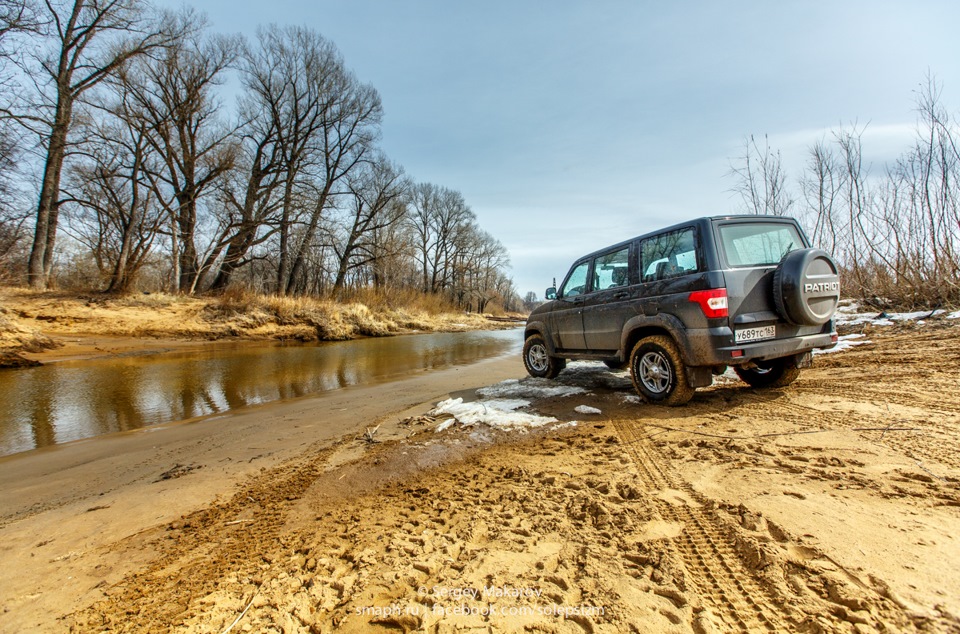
29 317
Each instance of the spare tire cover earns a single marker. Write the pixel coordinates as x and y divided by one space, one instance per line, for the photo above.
806 287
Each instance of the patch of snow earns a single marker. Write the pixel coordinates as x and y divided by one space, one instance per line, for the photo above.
846 342
920 314
955 315
848 306
850 318
498 413
528 388
632 399
586 409
571 423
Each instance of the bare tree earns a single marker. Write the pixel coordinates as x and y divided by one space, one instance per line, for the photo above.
392 255
286 77
760 179
349 118
376 202
822 186
309 124
116 216
438 216
173 93
18 22
90 40
480 263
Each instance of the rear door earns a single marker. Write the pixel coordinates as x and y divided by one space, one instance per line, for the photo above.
671 266
751 251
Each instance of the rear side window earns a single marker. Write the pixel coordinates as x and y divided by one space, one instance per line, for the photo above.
668 255
757 243
611 270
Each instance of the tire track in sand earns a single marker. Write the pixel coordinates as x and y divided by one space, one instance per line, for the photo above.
729 589
924 440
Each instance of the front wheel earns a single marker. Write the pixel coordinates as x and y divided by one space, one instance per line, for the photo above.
538 361
773 373
658 371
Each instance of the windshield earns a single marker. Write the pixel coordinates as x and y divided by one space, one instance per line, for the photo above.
758 244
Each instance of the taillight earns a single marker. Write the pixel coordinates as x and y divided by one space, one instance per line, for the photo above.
713 302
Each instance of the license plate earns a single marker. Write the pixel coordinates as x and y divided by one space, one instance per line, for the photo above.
755 334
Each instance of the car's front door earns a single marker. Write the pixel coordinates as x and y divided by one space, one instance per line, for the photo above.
609 306
568 315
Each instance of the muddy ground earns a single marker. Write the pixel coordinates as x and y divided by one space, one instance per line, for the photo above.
832 505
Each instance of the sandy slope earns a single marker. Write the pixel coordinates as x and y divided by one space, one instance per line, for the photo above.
832 505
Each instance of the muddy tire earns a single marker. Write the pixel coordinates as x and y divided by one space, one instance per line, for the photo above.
658 372
538 361
774 373
806 287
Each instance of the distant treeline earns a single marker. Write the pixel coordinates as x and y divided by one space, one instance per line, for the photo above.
894 229
123 166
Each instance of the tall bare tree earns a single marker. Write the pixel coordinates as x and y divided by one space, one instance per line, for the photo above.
89 40
286 76
376 202
174 93
114 211
348 114
760 179
439 217
18 23
822 186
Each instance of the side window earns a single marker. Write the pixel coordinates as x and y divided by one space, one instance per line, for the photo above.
668 255
576 283
611 270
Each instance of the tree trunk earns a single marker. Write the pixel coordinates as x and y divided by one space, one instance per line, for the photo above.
45 231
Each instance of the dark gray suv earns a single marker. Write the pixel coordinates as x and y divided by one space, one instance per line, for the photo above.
682 304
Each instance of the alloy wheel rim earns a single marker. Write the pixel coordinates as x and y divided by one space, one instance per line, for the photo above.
537 356
655 372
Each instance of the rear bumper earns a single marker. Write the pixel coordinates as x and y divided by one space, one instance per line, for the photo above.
714 346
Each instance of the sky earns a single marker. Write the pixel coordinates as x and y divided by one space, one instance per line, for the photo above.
570 125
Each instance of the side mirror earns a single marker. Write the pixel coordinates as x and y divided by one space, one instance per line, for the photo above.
550 293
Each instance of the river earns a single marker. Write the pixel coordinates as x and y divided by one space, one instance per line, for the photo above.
70 400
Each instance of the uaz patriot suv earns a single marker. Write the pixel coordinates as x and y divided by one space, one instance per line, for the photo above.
682 304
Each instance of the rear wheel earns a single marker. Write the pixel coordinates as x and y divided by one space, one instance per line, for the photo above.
658 371
773 373
538 361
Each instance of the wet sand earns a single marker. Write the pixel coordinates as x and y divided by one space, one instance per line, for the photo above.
73 500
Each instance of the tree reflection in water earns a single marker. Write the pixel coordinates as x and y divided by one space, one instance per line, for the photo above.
67 401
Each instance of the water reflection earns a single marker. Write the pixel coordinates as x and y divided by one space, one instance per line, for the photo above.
71 400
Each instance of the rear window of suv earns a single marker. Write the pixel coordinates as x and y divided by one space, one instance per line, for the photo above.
757 243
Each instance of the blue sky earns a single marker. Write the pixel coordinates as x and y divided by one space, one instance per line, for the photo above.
571 125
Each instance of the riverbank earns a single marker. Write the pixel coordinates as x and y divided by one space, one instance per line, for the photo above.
79 517
40 327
